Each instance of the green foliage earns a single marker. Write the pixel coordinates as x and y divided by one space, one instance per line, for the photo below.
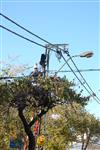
23 94
10 127
71 124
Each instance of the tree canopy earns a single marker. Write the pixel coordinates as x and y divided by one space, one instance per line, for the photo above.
39 96
71 124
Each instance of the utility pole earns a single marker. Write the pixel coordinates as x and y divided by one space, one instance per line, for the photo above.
59 48
44 62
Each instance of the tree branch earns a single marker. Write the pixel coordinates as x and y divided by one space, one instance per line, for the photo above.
22 117
38 117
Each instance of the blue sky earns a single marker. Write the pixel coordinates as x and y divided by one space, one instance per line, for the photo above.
73 22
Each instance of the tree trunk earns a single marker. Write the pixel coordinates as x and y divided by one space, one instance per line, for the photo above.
87 142
31 145
28 131
82 142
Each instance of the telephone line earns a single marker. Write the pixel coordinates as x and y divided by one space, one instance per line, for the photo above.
82 76
36 42
82 70
9 19
21 36
45 47
24 28
79 79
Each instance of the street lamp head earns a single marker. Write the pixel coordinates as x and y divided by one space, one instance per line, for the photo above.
87 54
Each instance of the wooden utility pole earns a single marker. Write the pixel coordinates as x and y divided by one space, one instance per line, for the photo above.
58 48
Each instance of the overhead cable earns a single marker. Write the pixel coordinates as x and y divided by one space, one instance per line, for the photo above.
21 36
80 80
81 70
37 43
17 24
24 28
50 49
82 76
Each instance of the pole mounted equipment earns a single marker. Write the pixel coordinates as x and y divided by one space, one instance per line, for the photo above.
87 54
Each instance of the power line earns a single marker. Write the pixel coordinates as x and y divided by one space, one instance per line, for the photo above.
9 19
51 72
80 80
82 75
22 36
50 49
24 28
3 78
37 44
81 70
40 44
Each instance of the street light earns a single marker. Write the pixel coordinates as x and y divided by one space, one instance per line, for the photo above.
86 54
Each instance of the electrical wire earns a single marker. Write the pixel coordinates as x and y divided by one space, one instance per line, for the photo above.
2 78
82 76
45 47
24 28
9 19
42 46
82 70
50 49
21 36
79 79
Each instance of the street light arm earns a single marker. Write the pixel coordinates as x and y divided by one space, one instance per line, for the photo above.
65 63
86 54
